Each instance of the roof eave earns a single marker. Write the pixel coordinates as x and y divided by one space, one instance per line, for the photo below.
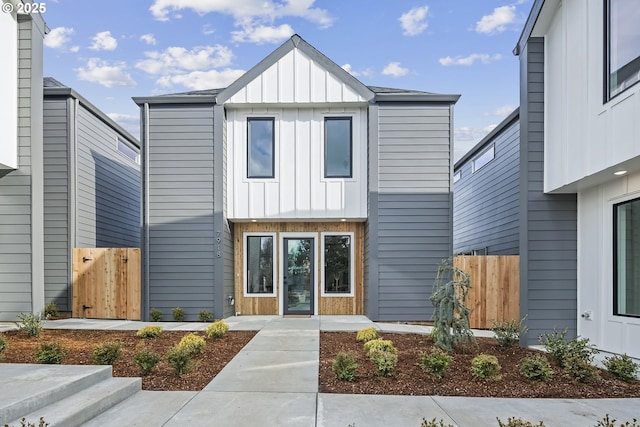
528 26
416 97
177 99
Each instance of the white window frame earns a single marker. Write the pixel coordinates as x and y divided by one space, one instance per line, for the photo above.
491 149
275 257
456 176
130 146
352 274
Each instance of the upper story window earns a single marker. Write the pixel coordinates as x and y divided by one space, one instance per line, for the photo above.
338 147
260 147
128 150
485 157
623 45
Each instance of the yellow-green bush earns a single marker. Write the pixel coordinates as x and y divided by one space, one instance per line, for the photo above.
192 343
379 344
217 329
367 334
150 332
486 366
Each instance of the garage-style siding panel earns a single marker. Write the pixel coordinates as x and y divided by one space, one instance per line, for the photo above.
56 202
412 208
179 189
486 202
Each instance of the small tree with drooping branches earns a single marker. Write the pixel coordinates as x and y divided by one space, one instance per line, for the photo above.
451 315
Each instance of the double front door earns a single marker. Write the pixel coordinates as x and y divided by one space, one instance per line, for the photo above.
298 275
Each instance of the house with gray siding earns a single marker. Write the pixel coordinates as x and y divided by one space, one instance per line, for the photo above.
296 190
578 174
21 165
91 193
486 193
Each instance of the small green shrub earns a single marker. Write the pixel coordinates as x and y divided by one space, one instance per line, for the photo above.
582 370
205 316
607 422
620 367
155 314
31 323
345 366
146 360
434 423
379 344
435 363
3 345
485 366
178 314
106 353
561 349
367 334
217 329
508 332
518 422
50 353
384 360
25 423
192 343
179 359
151 331
51 310
535 367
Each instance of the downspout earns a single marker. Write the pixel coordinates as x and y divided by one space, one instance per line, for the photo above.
72 126
144 144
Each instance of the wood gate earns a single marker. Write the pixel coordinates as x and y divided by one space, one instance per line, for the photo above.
106 283
495 288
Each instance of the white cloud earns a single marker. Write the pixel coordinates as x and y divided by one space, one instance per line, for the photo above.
262 10
104 73
74 49
178 59
200 80
263 34
394 69
497 21
465 138
148 39
469 60
414 21
58 37
118 117
207 30
104 41
349 69
503 111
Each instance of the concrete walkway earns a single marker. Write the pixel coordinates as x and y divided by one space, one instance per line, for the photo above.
273 381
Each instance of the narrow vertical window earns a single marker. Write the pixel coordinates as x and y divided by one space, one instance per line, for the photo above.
626 258
259 262
623 45
337 147
338 265
260 147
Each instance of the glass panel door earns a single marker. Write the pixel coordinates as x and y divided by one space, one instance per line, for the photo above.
298 277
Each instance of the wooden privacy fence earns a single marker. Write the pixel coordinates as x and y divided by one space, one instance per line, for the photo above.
495 288
106 283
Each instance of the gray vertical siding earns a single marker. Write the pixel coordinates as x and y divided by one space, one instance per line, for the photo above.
178 187
412 208
548 223
486 203
56 201
107 186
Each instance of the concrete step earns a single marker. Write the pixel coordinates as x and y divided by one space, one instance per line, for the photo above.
85 404
29 387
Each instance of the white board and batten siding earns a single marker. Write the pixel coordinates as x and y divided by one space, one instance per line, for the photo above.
298 93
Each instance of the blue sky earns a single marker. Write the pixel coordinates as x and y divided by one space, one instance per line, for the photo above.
109 51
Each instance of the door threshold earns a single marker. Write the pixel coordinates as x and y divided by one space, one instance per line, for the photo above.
296 316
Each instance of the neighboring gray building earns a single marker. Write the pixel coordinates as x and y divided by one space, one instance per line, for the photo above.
91 185
21 165
486 196
296 190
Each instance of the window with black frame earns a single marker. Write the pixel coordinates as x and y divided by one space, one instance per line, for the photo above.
260 147
337 147
626 256
259 259
337 264
622 20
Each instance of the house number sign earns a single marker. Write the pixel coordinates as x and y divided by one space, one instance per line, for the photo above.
219 243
